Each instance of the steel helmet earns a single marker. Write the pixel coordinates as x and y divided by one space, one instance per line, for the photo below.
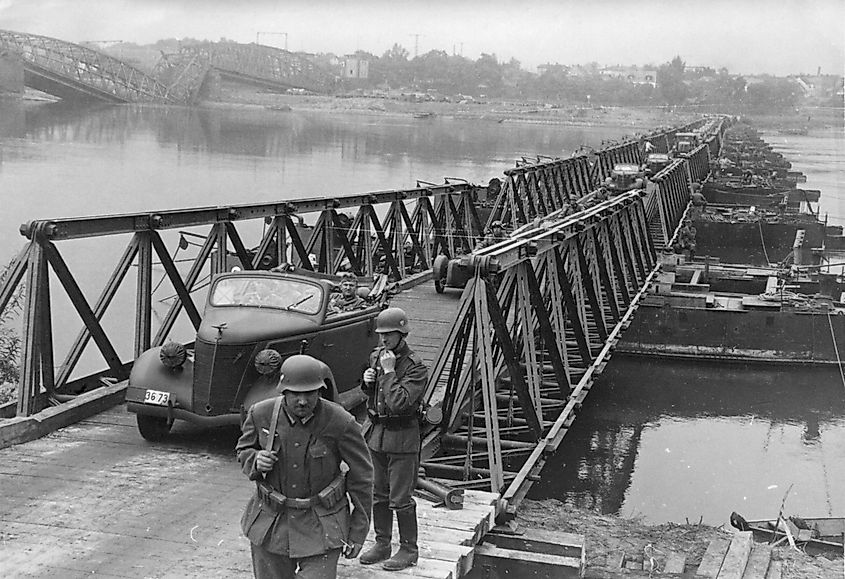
301 373
495 224
392 320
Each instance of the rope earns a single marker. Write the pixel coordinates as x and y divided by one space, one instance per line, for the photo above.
835 348
763 241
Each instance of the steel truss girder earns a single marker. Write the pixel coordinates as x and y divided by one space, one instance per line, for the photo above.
87 71
550 283
422 229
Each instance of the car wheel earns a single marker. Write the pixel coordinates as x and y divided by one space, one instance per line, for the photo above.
439 285
153 428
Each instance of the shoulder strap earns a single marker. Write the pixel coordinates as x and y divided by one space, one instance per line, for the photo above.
274 422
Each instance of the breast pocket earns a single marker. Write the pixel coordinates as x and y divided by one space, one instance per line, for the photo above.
323 463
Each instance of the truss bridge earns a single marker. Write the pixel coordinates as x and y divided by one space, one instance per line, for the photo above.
75 72
264 66
512 356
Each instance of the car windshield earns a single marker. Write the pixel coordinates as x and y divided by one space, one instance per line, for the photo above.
285 294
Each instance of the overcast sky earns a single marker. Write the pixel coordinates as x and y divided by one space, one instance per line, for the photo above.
747 36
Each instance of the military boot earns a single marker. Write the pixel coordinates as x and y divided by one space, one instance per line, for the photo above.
408 552
383 527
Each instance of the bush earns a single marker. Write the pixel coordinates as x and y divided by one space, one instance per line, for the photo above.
10 344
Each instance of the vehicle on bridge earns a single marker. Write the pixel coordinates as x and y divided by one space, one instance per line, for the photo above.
624 177
656 162
252 321
686 142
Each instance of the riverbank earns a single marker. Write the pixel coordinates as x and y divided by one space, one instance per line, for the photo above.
606 536
639 119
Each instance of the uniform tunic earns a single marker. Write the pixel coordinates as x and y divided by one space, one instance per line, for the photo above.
309 454
395 451
397 394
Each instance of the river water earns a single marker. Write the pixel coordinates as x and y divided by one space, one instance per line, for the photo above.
664 441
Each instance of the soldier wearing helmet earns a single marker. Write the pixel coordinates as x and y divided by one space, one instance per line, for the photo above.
394 384
494 236
347 300
292 446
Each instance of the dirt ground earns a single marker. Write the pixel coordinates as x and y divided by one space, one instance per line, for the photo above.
606 534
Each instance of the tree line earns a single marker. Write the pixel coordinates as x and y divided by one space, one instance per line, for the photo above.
440 73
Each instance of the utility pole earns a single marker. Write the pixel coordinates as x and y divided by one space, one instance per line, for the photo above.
285 34
416 44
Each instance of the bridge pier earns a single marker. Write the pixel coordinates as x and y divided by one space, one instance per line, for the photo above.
11 74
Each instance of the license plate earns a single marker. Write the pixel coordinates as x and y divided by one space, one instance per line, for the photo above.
156 397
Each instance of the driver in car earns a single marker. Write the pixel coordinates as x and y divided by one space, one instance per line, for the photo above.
347 300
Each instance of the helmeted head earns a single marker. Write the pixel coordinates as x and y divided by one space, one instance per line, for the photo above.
300 381
348 284
301 373
392 320
392 326
496 225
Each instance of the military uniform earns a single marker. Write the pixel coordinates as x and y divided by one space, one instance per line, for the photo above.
340 303
394 441
314 521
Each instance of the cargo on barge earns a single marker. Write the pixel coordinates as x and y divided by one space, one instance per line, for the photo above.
706 309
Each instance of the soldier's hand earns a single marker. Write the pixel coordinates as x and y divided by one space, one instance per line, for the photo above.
265 460
351 550
369 376
388 361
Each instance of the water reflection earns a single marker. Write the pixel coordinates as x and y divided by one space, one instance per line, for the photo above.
672 441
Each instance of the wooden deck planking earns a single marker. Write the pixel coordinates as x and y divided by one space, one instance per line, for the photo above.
95 498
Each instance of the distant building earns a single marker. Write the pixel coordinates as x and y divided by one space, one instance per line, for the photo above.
821 86
354 67
550 68
632 74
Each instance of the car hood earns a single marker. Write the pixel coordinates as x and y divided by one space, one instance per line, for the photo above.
253 325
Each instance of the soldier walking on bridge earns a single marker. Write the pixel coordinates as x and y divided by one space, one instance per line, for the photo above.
394 383
298 521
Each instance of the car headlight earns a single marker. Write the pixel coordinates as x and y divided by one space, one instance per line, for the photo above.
172 355
267 361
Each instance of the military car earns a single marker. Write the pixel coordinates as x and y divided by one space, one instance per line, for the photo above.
656 162
686 142
252 321
624 177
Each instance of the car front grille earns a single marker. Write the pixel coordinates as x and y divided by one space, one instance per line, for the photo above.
216 376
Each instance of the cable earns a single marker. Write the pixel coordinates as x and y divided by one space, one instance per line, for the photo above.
836 348
763 241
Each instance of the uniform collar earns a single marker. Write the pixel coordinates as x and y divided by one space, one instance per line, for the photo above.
293 420
403 349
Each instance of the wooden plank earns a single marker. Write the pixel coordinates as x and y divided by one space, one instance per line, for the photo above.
711 562
615 560
758 562
675 563
736 558
27 428
425 568
775 570
537 541
508 562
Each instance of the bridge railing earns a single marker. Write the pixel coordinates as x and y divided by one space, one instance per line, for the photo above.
395 233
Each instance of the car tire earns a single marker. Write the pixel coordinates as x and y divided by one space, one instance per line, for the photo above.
153 428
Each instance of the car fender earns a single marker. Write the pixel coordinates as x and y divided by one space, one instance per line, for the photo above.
149 373
438 270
